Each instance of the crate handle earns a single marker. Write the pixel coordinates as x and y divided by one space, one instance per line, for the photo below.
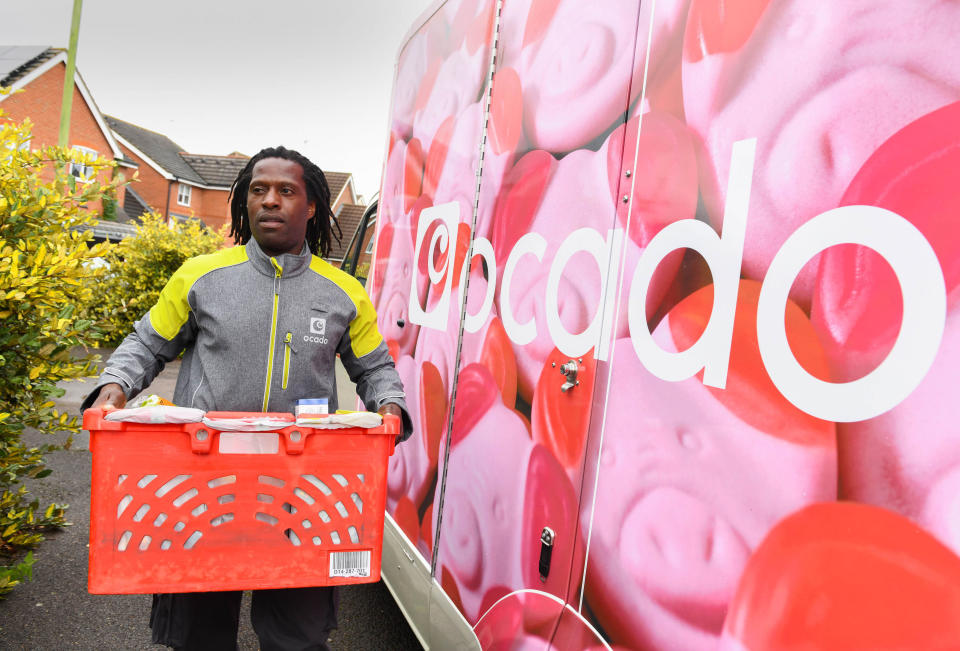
294 440
201 440
93 419
391 425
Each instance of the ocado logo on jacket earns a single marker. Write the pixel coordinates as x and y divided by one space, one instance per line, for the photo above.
318 326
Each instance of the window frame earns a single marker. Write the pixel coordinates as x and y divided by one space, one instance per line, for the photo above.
82 173
181 194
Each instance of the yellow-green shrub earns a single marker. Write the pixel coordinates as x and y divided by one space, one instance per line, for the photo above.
363 270
139 266
44 295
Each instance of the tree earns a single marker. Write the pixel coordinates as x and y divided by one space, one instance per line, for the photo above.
44 321
139 266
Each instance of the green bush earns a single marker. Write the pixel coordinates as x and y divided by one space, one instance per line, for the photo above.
139 266
44 296
109 209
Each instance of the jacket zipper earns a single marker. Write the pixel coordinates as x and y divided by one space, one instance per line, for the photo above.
273 331
287 349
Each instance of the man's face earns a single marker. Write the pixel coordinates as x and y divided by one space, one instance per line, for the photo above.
278 207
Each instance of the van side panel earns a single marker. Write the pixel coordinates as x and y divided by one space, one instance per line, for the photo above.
749 492
427 206
737 223
509 479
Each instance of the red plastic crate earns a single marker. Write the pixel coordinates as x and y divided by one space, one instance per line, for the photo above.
169 512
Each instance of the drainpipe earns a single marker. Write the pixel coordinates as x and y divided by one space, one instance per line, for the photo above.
67 102
169 188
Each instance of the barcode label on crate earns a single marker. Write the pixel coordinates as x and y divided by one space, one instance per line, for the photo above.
350 563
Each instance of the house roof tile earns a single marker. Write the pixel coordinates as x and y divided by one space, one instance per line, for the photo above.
216 170
161 150
133 204
17 61
336 181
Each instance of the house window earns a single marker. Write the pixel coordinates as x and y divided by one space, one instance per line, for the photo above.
183 194
369 248
81 172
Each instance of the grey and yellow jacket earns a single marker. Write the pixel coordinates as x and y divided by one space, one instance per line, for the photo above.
259 333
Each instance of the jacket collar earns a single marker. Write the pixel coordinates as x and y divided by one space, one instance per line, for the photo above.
292 264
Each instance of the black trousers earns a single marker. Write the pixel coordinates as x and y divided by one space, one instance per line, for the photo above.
289 619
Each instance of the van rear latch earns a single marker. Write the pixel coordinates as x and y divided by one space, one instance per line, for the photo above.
569 371
546 551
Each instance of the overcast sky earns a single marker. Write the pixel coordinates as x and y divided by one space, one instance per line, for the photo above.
217 76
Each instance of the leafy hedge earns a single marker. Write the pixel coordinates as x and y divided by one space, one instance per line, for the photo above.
139 266
44 294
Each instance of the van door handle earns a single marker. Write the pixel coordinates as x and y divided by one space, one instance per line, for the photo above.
569 371
546 552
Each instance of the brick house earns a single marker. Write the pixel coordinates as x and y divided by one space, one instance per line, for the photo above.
40 72
180 185
172 182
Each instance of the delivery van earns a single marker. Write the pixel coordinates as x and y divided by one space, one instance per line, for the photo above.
670 285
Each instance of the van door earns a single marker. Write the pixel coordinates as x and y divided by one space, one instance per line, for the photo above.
427 203
546 242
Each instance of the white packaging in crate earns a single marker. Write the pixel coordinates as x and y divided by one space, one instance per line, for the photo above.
312 407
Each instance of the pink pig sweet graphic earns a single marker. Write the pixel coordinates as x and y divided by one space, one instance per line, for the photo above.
841 576
495 504
415 59
403 181
907 459
458 84
668 544
486 343
575 67
470 22
583 190
392 281
413 465
820 86
458 178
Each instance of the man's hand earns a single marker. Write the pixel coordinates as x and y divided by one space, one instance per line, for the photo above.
393 409
112 396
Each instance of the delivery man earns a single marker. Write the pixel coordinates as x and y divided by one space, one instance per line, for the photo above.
260 326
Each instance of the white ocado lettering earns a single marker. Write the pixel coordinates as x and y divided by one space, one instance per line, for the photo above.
905 249
315 340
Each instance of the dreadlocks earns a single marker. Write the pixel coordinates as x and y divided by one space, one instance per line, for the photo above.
319 228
